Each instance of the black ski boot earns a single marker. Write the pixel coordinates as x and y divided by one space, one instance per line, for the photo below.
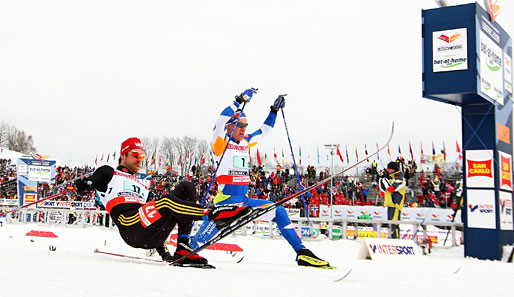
305 257
183 249
164 253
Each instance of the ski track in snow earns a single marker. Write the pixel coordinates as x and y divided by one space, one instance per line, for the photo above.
268 269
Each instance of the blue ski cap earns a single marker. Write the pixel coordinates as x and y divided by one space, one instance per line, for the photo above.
234 117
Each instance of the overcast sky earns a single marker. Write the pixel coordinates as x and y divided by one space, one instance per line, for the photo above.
82 76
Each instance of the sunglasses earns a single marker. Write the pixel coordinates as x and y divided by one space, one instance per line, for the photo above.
138 155
242 125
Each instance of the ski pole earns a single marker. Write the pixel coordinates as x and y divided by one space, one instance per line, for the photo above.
49 197
292 155
223 154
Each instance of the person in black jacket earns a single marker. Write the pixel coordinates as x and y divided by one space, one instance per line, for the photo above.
145 224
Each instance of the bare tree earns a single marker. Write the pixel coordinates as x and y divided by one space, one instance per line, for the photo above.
17 140
186 149
151 144
3 134
167 149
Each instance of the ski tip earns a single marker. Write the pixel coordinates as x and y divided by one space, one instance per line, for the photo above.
95 251
344 275
457 270
240 260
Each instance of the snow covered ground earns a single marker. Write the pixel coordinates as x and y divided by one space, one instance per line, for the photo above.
29 268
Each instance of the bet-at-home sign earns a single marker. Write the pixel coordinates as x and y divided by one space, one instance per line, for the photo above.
450 50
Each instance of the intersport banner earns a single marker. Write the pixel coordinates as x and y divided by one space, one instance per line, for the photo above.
380 213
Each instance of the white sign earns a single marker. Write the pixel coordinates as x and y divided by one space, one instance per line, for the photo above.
479 168
507 72
491 74
40 173
506 211
382 248
22 169
450 50
481 209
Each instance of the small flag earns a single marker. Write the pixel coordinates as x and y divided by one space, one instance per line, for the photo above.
259 158
347 157
282 157
356 153
300 155
378 155
459 152
265 158
399 151
339 154
410 150
433 149
366 152
389 152
96 160
275 155
318 155
444 151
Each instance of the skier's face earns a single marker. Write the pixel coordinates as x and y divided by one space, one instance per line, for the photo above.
239 134
133 160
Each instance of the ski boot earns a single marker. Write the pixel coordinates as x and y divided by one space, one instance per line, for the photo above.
305 257
183 249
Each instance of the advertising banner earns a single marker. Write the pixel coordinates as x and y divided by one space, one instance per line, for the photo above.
479 169
481 209
506 211
450 50
505 171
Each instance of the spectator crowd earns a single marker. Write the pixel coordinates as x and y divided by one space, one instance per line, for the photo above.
426 188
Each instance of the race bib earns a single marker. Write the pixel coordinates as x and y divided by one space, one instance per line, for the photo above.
241 162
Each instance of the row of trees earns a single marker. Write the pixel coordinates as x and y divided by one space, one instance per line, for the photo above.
15 139
170 150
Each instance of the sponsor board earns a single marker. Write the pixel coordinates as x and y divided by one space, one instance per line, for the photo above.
481 209
40 173
382 248
450 51
9 202
479 169
491 72
503 133
506 211
507 72
505 171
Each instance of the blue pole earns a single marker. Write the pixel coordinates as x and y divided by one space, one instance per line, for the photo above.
294 166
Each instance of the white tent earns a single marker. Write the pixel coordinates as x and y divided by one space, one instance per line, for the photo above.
8 154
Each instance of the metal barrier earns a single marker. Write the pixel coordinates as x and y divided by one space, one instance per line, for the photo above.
87 218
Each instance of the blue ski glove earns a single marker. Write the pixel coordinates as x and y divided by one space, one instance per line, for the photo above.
279 103
246 96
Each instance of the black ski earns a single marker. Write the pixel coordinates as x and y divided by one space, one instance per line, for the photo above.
261 211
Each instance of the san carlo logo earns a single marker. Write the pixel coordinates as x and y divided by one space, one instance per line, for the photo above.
481 208
350 212
420 215
449 39
377 213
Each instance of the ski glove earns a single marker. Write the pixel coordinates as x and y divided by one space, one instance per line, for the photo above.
246 95
279 103
83 186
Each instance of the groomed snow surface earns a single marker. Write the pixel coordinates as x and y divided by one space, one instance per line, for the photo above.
29 268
